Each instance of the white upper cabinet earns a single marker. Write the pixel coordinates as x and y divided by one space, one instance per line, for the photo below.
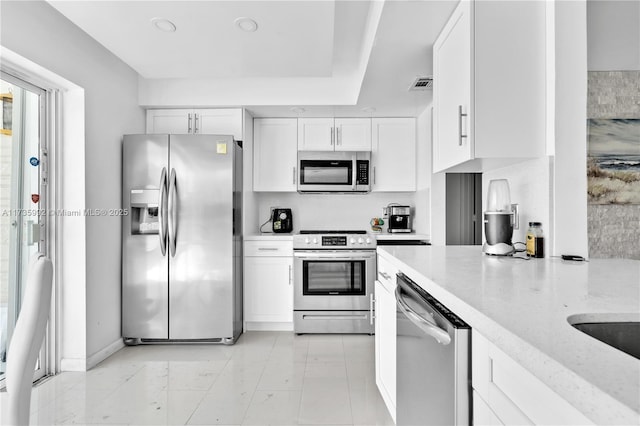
489 91
353 134
275 154
393 155
328 134
218 121
227 121
316 134
175 121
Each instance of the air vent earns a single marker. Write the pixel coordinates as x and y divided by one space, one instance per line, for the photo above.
422 83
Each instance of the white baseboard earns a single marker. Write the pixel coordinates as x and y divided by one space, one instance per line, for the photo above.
104 353
268 326
73 364
82 364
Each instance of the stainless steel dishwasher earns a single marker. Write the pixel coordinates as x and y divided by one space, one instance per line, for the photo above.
433 360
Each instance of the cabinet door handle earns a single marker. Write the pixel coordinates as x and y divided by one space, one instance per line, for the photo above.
195 121
294 175
289 274
460 115
267 248
332 136
338 136
374 175
189 123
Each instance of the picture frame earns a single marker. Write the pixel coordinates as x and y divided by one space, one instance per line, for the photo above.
613 161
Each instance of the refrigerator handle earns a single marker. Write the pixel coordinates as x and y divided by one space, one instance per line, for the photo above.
162 212
172 216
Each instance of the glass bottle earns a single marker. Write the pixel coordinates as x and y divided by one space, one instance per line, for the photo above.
535 240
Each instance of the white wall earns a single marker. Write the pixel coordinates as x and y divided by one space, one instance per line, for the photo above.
422 220
37 32
614 35
569 209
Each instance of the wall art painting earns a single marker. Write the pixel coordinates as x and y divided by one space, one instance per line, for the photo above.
613 161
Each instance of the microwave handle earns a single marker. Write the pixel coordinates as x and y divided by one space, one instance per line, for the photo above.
354 173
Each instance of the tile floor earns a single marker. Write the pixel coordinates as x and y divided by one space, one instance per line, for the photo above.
266 378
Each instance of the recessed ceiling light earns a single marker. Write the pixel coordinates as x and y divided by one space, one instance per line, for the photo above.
368 109
164 24
246 24
298 110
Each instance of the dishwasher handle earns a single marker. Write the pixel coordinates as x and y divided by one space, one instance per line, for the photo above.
427 326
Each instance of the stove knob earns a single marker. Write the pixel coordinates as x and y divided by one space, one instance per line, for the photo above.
368 240
315 241
360 240
307 240
352 240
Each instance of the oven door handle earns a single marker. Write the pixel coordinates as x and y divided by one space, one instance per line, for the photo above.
429 327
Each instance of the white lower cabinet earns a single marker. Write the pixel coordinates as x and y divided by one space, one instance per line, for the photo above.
504 392
385 329
268 285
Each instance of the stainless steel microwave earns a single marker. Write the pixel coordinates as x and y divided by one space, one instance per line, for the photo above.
320 171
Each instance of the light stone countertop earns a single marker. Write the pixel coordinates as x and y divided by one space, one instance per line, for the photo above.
522 307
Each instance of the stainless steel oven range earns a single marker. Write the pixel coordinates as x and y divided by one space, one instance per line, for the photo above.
334 274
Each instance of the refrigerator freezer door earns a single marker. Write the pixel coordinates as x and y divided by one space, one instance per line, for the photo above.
145 289
201 272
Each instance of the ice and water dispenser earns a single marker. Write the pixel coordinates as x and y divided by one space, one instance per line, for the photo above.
144 211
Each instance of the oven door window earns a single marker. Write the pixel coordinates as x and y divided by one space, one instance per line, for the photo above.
314 172
322 278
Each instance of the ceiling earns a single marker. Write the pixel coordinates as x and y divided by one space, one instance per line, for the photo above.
328 57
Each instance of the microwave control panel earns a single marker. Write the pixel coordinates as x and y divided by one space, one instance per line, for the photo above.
362 177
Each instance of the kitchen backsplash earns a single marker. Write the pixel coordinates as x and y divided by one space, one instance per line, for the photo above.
337 211
530 187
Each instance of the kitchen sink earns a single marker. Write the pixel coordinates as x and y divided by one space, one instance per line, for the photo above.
621 334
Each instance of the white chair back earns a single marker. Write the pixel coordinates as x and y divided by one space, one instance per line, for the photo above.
27 339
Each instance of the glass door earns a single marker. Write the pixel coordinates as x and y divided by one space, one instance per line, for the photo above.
22 201
339 277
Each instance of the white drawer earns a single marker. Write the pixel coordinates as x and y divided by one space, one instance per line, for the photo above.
268 248
512 393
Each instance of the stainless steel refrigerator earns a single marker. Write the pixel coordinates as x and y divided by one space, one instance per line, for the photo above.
181 239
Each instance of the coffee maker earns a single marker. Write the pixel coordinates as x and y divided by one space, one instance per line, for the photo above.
500 219
399 218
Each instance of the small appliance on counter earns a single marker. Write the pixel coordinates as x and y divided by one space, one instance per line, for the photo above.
399 218
500 219
281 220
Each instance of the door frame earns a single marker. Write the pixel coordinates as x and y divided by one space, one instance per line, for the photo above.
48 117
